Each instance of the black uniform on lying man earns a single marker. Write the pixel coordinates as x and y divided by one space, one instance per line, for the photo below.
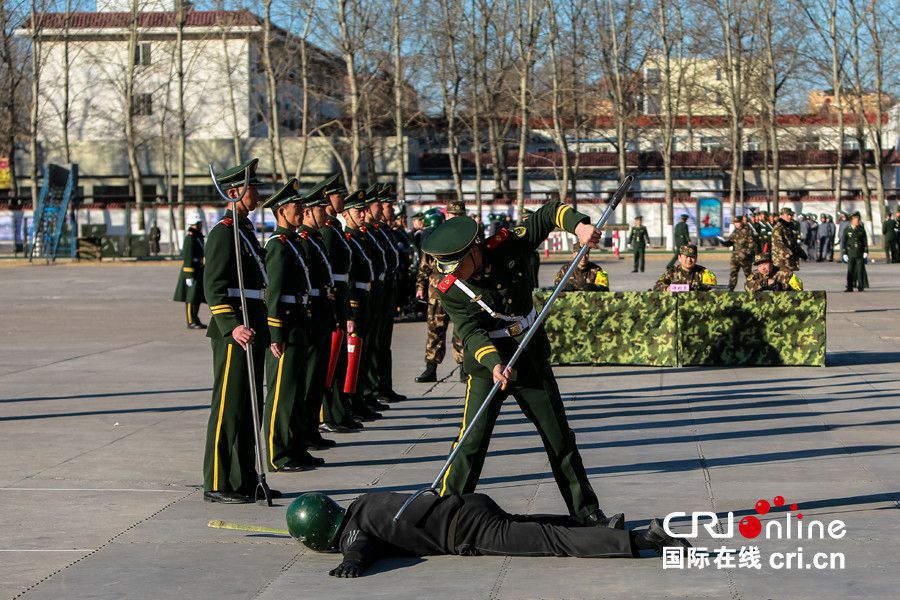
465 525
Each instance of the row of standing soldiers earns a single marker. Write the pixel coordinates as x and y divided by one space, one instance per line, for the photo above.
321 299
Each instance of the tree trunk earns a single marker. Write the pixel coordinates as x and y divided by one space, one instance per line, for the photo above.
399 145
348 53
182 118
280 169
134 168
35 99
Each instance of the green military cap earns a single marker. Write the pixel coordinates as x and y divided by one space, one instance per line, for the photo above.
287 193
456 207
763 257
316 191
450 242
334 185
764 213
639 218
688 250
418 215
356 200
315 197
824 215
787 210
844 213
372 193
856 214
387 193
234 177
685 216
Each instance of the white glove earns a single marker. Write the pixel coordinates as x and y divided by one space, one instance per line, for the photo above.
189 282
865 255
845 258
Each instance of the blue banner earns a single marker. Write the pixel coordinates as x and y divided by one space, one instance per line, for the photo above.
709 217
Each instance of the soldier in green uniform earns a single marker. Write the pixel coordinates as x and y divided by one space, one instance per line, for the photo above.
743 245
287 296
436 319
395 256
365 270
487 291
765 231
229 470
337 415
587 277
895 250
323 319
638 239
190 281
535 258
687 271
768 277
682 238
855 250
887 238
786 251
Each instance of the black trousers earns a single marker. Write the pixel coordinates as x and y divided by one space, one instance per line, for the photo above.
484 528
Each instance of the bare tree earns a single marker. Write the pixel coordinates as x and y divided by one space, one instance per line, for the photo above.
859 93
274 129
12 91
399 146
876 126
528 14
37 59
131 105
450 74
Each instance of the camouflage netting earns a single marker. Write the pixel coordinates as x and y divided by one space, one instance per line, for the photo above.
615 328
697 328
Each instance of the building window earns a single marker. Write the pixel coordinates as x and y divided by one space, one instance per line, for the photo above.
142 54
851 144
753 144
718 74
808 142
710 143
653 76
142 105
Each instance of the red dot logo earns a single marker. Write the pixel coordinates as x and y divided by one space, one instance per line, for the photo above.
762 507
779 500
750 527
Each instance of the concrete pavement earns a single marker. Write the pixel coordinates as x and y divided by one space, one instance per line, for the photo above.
103 406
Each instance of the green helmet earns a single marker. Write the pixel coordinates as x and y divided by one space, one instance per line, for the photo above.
314 520
434 217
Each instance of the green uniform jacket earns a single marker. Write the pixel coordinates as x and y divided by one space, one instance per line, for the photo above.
743 240
682 235
220 281
505 285
639 237
286 295
777 281
887 230
855 242
191 270
362 273
321 295
340 255
694 278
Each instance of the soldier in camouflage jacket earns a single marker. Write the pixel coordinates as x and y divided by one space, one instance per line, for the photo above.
587 277
786 251
698 277
743 243
768 277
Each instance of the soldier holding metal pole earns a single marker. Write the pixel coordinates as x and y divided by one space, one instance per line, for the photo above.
486 291
234 282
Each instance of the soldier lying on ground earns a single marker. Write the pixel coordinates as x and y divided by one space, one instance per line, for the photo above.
768 277
466 525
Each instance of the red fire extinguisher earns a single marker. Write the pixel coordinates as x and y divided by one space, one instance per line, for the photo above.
354 351
337 338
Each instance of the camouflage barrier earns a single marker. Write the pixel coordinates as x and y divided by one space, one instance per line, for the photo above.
612 328
696 328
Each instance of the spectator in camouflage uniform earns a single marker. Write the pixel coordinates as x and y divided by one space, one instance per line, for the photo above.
743 243
768 277
786 251
698 277
436 319
587 277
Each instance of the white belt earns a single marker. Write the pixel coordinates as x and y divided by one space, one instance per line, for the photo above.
363 286
520 326
291 299
381 277
253 294
339 277
314 293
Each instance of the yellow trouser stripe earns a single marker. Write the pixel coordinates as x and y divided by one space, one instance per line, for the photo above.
219 421
188 269
484 351
322 413
560 213
220 311
220 307
462 430
275 410
188 313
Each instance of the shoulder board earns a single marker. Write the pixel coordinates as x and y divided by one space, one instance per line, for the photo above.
227 222
304 234
446 283
363 228
282 238
495 240
347 235
328 222
376 225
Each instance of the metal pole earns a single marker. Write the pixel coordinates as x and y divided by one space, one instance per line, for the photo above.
610 208
262 492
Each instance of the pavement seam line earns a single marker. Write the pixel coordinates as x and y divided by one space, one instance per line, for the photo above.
284 568
56 362
103 545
